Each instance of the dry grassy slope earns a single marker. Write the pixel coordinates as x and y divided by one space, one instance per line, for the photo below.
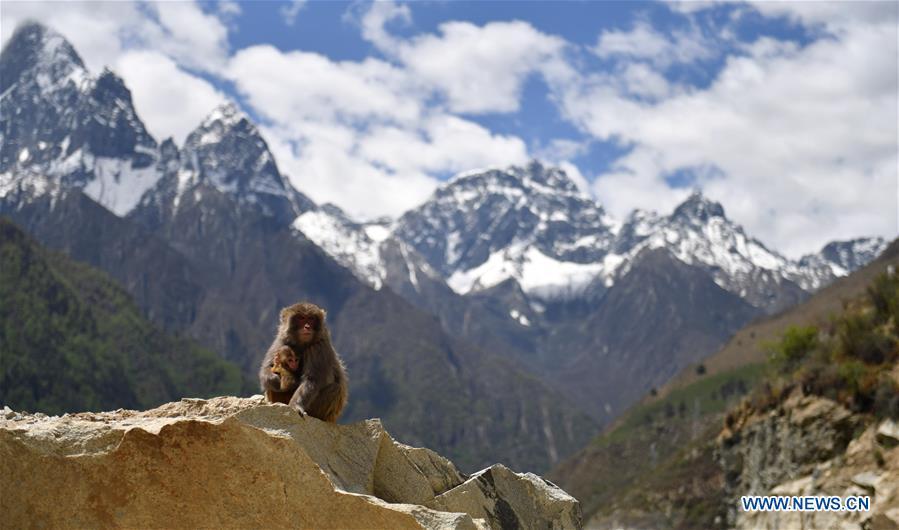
747 346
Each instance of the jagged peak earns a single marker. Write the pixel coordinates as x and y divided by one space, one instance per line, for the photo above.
698 206
848 254
108 76
866 243
109 84
335 211
227 113
533 175
168 145
223 119
637 215
34 45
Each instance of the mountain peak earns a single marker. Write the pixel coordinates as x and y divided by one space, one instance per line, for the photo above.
228 152
223 121
484 226
697 206
227 113
843 257
534 176
550 176
108 87
34 45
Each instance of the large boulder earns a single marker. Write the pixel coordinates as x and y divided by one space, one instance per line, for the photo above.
241 463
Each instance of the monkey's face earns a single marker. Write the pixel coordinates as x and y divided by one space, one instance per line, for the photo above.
291 362
305 327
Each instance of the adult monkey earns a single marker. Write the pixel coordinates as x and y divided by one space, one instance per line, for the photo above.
321 381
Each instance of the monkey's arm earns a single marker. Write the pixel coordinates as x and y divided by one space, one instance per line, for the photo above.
267 379
304 395
271 381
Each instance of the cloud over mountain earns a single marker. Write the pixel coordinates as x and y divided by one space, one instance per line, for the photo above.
785 113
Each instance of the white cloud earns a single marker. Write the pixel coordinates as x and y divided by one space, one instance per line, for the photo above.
805 138
643 42
444 143
833 15
641 80
187 34
229 10
359 134
478 69
319 160
291 10
308 85
176 100
375 19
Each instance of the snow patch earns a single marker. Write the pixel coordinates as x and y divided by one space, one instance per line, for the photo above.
347 244
538 274
521 319
117 186
376 232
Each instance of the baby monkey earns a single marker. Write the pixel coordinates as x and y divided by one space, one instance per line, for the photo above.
286 364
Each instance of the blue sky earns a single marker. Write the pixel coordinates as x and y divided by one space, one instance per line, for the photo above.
784 112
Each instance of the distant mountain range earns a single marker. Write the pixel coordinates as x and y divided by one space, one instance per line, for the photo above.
533 225
536 316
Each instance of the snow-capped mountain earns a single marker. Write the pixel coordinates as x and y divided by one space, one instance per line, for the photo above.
63 128
531 224
842 257
698 233
224 155
353 245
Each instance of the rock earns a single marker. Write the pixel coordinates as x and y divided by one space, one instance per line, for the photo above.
867 481
888 433
510 500
772 448
241 463
857 471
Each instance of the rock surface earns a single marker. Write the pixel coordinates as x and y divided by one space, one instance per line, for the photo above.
241 463
810 446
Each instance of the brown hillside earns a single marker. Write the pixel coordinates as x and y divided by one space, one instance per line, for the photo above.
747 346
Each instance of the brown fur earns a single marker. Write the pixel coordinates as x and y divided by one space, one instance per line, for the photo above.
321 386
280 366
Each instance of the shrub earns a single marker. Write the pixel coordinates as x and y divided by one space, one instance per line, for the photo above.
860 338
796 343
886 398
883 294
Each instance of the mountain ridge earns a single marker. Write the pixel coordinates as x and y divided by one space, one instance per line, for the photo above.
531 223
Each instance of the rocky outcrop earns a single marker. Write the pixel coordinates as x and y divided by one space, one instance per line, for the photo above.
767 448
812 446
241 463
